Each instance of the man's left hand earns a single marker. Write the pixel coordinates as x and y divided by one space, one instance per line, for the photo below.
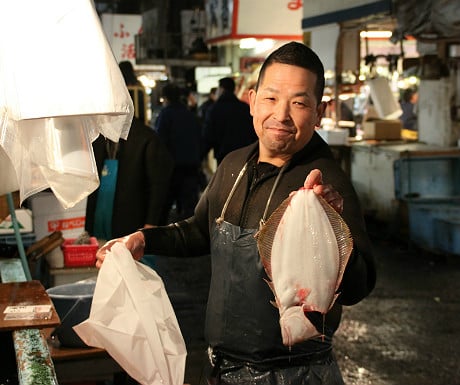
314 181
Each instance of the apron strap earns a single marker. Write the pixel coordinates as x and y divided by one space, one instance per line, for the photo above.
230 195
275 185
235 185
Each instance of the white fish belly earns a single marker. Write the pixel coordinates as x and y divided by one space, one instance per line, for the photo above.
305 261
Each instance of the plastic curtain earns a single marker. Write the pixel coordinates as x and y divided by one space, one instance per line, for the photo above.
60 87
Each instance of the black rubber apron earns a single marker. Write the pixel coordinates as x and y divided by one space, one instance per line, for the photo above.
239 324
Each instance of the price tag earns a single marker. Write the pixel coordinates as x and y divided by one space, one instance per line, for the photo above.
27 312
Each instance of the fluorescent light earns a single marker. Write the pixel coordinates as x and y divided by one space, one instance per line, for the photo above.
248 43
376 34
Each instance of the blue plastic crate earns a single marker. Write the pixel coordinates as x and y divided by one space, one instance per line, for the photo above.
447 234
424 216
10 239
428 177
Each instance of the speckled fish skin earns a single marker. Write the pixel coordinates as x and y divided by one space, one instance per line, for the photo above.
304 246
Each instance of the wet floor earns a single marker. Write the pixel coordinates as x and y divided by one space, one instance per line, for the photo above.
407 332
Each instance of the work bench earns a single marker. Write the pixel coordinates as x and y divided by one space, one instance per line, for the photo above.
33 358
41 362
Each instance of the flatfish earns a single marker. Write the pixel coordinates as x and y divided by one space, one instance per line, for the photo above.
304 247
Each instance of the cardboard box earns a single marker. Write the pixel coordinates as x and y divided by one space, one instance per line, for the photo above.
49 216
382 129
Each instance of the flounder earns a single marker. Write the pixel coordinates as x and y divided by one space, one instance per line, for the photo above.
304 247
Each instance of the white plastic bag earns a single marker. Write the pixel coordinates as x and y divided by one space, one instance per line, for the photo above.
132 318
52 110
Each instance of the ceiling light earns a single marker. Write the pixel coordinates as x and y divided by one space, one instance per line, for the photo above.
376 34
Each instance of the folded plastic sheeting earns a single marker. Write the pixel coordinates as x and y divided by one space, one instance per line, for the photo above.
132 318
60 88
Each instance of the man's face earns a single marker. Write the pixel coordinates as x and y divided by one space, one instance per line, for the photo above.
285 111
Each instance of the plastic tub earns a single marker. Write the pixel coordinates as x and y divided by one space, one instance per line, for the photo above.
73 303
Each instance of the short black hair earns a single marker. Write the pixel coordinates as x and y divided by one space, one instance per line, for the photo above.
300 55
127 70
228 84
171 92
408 93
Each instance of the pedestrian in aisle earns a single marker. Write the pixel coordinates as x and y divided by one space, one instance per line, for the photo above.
228 122
134 179
180 131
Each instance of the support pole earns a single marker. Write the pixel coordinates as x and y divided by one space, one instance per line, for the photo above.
22 253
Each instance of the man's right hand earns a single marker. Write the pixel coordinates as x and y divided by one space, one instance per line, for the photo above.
134 242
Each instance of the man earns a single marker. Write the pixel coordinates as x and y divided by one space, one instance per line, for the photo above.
242 327
180 131
132 193
228 123
204 107
134 177
408 107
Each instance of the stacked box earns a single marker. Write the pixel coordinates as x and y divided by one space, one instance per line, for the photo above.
49 216
382 129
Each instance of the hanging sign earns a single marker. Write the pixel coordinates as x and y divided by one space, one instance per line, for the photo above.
120 31
236 19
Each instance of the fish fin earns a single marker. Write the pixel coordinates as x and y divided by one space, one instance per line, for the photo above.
296 327
266 235
272 288
342 235
270 285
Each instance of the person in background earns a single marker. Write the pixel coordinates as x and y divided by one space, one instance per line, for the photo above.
180 131
134 177
135 87
190 100
408 105
242 327
228 123
204 107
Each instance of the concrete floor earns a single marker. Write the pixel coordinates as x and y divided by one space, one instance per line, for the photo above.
407 331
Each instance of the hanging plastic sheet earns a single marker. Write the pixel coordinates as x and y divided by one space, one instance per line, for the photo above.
60 88
132 318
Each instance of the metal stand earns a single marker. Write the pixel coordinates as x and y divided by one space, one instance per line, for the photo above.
22 253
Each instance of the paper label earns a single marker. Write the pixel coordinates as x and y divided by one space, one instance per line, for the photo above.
27 312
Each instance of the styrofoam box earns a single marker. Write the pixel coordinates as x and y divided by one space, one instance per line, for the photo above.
49 216
24 220
334 136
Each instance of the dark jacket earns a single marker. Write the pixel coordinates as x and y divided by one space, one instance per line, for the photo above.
227 126
192 237
181 132
144 172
